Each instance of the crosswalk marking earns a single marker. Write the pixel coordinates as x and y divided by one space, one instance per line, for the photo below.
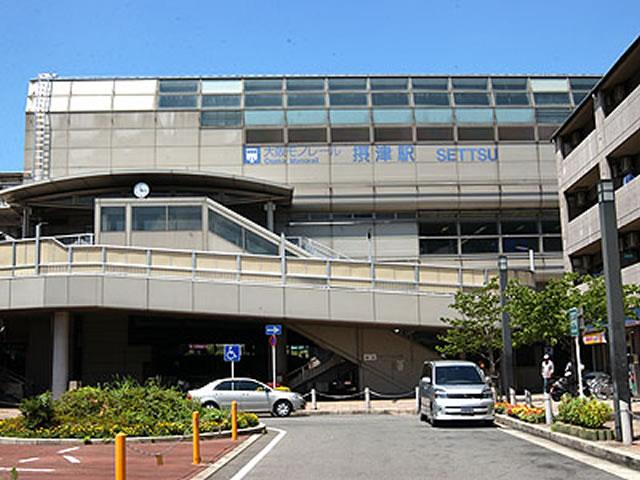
71 459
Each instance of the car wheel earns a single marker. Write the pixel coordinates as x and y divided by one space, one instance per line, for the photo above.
423 417
211 405
282 408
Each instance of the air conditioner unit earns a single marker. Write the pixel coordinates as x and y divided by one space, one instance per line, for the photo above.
632 240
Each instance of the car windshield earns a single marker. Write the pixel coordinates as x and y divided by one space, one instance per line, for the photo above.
457 375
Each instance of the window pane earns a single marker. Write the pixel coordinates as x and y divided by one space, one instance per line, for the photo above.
305 99
258 85
544 133
306 117
112 219
552 115
221 119
434 99
549 85
263 100
474 115
349 117
514 115
578 95
512 245
222 86
479 245
220 101
516 133
178 101
475 134
393 134
437 229
185 218
389 99
388 83
230 231
552 244
149 219
512 99
178 86
351 99
583 83
304 84
430 83
347 84
393 116
469 83
264 136
471 98
516 227
435 115
489 227
307 135
434 134
350 135
258 245
550 226
509 83
264 117
551 98
432 246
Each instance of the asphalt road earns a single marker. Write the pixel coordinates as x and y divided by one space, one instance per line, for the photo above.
400 447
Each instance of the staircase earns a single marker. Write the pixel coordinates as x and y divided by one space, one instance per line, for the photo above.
312 370
42 127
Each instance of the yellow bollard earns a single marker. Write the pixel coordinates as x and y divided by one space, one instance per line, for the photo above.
196 438
234 420
121 457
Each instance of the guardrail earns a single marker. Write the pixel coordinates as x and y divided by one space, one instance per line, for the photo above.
49 256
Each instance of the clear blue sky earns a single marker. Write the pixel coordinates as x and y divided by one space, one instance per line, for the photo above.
186 37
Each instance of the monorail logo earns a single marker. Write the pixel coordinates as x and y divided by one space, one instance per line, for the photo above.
467 154
252 155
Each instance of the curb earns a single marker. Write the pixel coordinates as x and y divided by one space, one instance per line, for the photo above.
260 428
597 449
226 458
310 413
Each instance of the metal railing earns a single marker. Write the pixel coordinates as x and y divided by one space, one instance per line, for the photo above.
317 249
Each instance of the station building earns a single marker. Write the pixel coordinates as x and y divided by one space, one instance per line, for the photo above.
159 218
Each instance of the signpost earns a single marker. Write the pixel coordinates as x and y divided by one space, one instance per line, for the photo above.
232 354
273 331
574 316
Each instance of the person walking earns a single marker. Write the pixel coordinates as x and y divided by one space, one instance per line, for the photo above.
547 372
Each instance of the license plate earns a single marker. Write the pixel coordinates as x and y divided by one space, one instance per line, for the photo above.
466 410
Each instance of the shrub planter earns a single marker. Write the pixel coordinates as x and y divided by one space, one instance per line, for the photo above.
592 434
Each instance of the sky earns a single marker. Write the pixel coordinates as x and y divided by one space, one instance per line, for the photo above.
212 37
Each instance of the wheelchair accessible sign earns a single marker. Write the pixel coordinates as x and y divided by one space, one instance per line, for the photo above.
232 353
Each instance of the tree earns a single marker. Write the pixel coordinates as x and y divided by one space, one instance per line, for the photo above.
593 300
477 331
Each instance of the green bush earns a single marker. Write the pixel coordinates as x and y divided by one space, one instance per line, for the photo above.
589 413
37 411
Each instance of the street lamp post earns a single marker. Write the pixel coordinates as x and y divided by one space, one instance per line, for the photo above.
615 310
507 348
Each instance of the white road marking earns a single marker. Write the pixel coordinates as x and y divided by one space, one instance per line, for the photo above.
263 453
71 459
28 470
67 450
29 460
609 467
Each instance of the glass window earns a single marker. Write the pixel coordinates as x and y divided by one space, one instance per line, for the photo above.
515 115
263 100
248 386
178 86
516 227
434 134
347 84
263 84
487 227
469 83
438 246
258 245
457 375
549 85
469 134
305 84
149 219
511 98
552 244
225 386
220 101
348 117
222 86
307 135
550 226
579 95
431 98
221 119
264 117
522 244
264 136
551 98
305 99
185 218
388 83
225 228
471 98
349 99
552 115
509 83
177 101
544 133
474 115
389 99
434 115
583 83
396 115
393 134
516 133
437 229
479 245
306 117
350 135
430 83
112 219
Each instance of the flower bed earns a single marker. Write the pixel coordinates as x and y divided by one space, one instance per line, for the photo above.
521 412
124 406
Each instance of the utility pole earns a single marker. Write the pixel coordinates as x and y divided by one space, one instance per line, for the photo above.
507 348
615 311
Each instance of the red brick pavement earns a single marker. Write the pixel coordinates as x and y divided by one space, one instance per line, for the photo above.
44 462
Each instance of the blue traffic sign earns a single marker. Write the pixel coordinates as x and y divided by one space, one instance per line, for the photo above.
232 353
273 329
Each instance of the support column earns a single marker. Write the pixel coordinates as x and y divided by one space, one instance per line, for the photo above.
270 208
60 364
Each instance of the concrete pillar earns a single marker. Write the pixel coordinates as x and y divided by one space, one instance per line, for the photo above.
270 208
60 364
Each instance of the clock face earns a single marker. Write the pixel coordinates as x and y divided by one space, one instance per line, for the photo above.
141 190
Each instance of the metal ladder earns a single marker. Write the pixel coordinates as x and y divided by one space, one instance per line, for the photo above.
42 127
